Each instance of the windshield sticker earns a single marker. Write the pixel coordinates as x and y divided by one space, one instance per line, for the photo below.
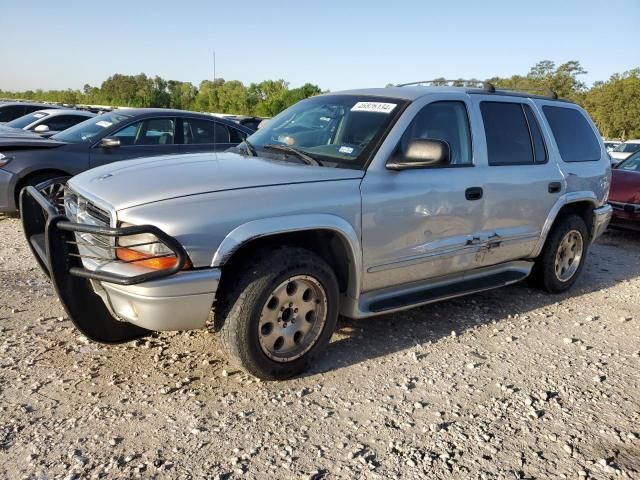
104 124
348 150
373 107
39 115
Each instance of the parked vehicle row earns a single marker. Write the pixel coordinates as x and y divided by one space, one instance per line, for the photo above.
118 135
358 203
45 122
624 150
12 110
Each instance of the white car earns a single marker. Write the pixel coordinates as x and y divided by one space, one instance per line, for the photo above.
610 144
46 122
624 150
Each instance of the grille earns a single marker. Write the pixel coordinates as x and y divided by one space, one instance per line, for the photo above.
80 210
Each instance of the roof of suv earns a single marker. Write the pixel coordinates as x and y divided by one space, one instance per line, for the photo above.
414 92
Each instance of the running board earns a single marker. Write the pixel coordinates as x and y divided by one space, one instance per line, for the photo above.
473 283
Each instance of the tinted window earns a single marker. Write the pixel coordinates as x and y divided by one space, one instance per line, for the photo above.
32 108
539 149
62 122
627 147
11 112
447 121
507 131
197 130
154 131
574 136
236 135
631 164
221 134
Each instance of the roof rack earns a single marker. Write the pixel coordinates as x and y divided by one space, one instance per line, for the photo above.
487 87
459 82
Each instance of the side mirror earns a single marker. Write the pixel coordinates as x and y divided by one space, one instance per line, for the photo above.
41 128
422 153
109 142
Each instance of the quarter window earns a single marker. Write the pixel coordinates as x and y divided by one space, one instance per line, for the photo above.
447 121
507 132
574 136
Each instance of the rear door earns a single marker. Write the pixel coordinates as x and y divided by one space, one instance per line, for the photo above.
144 138
521 184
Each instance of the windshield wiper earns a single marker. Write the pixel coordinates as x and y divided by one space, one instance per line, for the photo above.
287 149
251 150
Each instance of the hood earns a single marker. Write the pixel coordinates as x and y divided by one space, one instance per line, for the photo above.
625 186
130 183
25 140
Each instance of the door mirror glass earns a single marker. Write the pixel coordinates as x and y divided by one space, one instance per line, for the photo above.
110 142
422 153
41 128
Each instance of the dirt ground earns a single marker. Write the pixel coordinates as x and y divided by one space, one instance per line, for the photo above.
509 384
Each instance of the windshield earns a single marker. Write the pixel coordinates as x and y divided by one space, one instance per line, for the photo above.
627 147
631 164
90 129
26 120
337 130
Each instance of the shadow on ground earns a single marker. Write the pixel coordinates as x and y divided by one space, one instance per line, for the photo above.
613 259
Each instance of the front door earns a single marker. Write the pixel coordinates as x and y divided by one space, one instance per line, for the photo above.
422 224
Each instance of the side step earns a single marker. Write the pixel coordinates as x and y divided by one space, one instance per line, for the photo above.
430 294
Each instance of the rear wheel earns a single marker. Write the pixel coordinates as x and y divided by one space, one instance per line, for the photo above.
563 256
280 311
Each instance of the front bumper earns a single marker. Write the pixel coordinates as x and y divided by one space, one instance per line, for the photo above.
625 215
103 301
601 219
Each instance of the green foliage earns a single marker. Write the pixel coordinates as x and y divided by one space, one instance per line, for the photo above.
614 105
267 98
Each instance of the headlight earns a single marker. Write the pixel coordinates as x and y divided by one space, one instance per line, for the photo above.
145 249
4 160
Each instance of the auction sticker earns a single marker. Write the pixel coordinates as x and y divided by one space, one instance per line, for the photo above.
347 150
104 124
373 107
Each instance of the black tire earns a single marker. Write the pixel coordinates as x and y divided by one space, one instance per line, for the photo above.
544 275
33 181
246 294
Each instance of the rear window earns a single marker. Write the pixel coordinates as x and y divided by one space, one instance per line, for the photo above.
507 131
574 136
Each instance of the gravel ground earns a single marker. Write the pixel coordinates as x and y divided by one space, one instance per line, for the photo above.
508 384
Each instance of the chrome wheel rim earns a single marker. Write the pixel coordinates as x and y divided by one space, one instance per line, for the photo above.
54 192
569 255
292 318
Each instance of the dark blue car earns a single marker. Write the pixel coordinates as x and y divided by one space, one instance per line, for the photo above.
118 135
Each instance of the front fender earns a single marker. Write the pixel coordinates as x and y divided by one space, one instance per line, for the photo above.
295 223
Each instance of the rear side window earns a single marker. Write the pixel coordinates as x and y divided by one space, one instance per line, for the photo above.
509 141
574 136
62 122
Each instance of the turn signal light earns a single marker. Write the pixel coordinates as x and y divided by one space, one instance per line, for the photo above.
146 260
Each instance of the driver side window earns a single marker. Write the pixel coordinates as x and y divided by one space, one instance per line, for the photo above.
154 131
447 121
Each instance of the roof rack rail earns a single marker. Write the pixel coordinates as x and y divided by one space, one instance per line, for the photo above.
459 82
487 87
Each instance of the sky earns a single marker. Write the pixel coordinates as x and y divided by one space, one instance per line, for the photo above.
334 44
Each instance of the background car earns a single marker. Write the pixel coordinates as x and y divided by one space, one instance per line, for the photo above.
624 150
611 144
624 195
12 110
47 122
118 135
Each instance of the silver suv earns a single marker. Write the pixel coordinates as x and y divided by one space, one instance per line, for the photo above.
356 203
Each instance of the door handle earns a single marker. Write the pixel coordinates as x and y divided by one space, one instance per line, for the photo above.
473 193
555 187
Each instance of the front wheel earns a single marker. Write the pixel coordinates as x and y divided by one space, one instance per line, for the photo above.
280 311
563 256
